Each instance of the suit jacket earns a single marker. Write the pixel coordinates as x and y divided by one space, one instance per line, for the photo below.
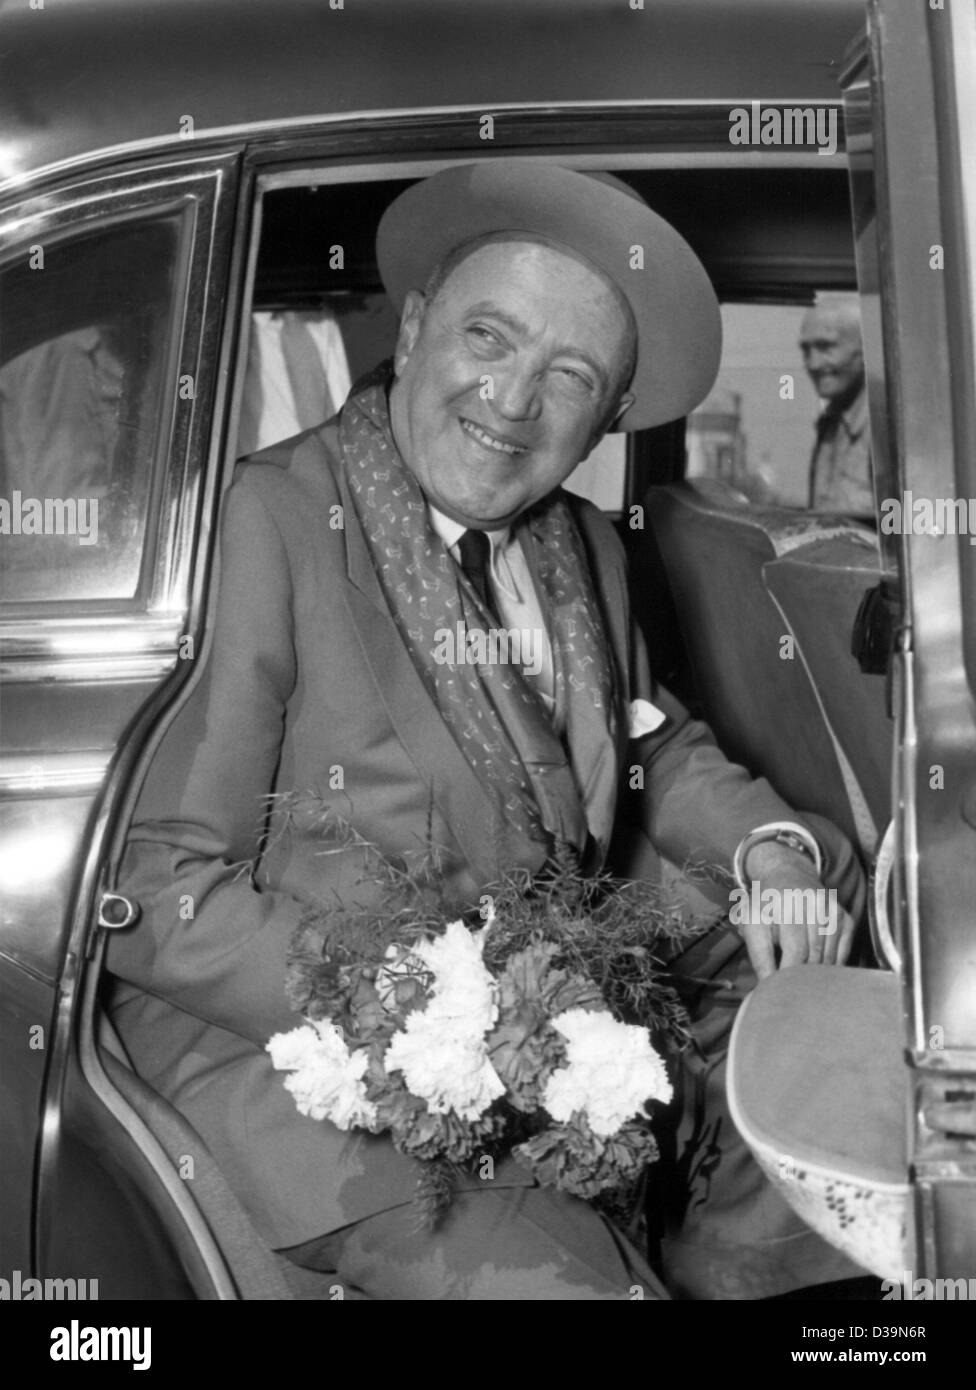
305 675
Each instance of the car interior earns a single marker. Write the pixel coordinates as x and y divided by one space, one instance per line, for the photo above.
747 600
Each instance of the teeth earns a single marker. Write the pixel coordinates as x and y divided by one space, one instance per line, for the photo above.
492 443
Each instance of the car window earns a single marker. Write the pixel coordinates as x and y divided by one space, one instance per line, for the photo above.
83 393
756 430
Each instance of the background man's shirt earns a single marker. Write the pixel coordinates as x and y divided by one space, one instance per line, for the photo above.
840 469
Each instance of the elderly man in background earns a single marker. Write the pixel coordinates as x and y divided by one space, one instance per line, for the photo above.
840 468
530 325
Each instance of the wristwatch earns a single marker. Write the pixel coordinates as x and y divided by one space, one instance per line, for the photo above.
782 832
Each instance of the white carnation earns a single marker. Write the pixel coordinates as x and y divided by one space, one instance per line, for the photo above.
445 1066
326 1078
442 1051
464 988
611 1071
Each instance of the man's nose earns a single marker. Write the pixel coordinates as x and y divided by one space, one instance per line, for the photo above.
517 394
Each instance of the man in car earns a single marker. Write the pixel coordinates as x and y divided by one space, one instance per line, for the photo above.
840 467
540 307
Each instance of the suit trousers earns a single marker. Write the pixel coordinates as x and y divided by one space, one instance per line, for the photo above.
516 1244
723 1231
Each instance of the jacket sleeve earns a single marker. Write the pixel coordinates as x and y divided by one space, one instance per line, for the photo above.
690 804
209 940
696 805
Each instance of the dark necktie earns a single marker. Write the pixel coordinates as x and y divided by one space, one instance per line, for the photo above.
475 551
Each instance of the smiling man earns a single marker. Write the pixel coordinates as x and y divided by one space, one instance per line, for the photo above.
513 364
539 307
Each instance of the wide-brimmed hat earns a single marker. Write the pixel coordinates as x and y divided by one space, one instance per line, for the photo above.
679 328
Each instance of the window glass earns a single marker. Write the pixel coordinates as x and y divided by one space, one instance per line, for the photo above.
84 397
757 429
602 476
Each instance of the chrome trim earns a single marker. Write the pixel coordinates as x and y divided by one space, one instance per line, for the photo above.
90 634
247 131
885 950
739 157
100 649
962 22
110 670
907 925
53 774
66 206
150 1147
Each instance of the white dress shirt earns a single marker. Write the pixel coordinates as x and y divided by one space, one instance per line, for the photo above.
514 593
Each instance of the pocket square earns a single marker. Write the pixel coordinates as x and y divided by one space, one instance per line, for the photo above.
644 718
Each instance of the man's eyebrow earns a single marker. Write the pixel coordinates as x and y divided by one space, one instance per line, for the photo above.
515 325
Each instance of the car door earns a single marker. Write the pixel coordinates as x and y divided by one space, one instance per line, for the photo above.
112 303
911 115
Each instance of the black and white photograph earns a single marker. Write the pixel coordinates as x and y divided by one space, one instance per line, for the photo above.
488 666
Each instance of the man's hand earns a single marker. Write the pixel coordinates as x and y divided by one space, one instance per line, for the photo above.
797 914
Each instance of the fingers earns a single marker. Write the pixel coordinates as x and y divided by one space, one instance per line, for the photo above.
828 932
837 935
845 939
796 940
811 936
759 944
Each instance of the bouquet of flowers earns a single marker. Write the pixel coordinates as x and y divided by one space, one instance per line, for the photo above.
526 1031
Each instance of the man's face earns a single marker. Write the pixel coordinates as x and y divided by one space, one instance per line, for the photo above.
832 354
504 381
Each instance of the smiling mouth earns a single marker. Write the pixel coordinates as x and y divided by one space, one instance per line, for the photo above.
491 441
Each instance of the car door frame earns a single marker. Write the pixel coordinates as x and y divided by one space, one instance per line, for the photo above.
914 207
158 629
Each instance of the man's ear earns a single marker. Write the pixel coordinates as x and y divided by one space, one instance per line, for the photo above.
414 308
624 404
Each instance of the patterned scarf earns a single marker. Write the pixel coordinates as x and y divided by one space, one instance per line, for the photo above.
493 709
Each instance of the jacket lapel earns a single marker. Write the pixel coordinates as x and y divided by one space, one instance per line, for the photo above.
596 756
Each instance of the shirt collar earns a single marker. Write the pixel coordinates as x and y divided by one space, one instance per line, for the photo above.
451 531
854 418
504 551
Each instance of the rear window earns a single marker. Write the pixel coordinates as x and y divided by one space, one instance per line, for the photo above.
84 396
757 429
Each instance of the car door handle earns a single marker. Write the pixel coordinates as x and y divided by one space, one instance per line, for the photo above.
115 911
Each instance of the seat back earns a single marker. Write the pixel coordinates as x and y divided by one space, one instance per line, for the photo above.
817 588
755 677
